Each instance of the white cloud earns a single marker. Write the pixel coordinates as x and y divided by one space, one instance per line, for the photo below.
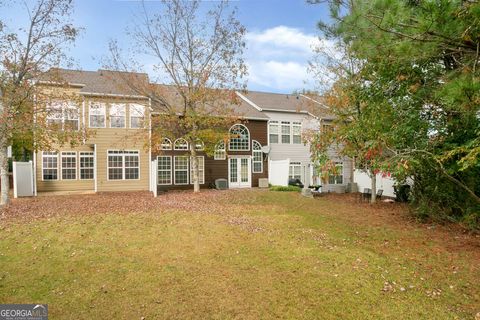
278 58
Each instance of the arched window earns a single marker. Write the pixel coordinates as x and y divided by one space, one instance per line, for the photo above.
166 144
220 153
180 144
239 138
199 146
257 157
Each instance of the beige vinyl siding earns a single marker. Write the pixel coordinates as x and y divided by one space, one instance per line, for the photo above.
59 184
101 140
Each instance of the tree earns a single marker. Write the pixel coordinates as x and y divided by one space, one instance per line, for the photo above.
199 55
421 80
27 53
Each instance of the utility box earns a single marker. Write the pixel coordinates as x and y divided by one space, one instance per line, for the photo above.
221 184
263 183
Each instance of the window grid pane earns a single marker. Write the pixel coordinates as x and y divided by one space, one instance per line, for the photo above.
164 170
257 157
50 165
239 138
86 165
69 165
181 170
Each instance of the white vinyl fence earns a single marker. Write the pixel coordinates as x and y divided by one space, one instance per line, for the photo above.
23 179
278 172
363 181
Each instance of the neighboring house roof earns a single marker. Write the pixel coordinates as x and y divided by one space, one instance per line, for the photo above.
115 83
241 108
101 82
277 102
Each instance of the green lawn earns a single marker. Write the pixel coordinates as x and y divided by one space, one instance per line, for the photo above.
249 255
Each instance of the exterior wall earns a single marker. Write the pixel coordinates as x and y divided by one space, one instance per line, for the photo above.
218 169
385 183
301 152
100 140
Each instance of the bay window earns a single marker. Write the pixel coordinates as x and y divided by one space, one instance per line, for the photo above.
97 112
117 115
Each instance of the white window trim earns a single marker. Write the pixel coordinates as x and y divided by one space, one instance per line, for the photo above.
199 145
249 138
73 155
274 122
175 170
171 171
142 114
117 105
175 145
104 105
58 165
64 107
123 165
253 157
91 154
224 157
343 174
295 164
163 144
203 171
299 125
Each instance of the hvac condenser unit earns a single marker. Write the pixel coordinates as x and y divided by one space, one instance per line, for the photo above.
221 184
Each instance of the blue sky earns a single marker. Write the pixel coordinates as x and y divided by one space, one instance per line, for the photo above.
279 37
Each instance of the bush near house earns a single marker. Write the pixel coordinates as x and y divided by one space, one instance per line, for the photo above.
285 188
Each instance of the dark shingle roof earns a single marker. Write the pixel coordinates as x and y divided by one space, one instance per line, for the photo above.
102 82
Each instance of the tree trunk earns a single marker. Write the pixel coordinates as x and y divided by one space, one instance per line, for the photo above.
194 160
4 175
373 178
5 184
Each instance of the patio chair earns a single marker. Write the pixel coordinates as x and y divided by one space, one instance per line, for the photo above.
366 194
379 194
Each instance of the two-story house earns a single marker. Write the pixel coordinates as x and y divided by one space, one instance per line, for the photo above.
113 154
240 160
290 116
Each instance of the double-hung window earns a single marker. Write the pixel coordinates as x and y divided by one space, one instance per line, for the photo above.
137 115
69 165
201 170
87 165
49 165
97 112
117 115
297 132
181 170
285 132
220 153
63 115
257 157
164 170
273 130
336 176
123 165
295 171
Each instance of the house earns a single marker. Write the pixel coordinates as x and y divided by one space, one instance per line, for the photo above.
113 125
241 160
116 151
290 116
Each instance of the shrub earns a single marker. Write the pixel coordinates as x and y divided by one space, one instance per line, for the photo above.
282 188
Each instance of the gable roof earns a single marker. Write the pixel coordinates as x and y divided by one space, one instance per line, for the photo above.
291 103
100 82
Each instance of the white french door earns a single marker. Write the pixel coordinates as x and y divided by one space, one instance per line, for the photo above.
239 172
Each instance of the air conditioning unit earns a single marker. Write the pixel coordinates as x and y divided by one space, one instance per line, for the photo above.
263 183
221 184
